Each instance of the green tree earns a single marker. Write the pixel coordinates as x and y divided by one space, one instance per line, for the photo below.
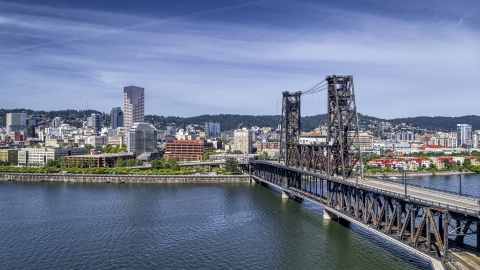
231 166
207 155
467 162
65 144
120 162
53 163
173 164
448 165
89 147
157 164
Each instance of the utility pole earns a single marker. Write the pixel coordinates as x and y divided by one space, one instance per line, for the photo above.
460 184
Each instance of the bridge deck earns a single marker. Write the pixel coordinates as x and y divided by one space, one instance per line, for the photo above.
423 194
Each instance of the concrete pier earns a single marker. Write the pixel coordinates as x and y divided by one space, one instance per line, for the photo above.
329 215
285 195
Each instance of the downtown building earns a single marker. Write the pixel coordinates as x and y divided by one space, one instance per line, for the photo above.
212 130
187 149
16 122
116 118
40 156
464 135
133 105
141 138
242 140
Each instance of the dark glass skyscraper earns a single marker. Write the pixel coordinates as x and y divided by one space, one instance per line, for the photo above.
116 117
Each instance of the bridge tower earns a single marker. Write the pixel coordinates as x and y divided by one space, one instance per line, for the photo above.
342 128
290 124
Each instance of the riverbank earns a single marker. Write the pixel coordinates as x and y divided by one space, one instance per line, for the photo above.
415 174
98 178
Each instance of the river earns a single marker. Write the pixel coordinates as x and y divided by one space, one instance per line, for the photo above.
179 226
470 183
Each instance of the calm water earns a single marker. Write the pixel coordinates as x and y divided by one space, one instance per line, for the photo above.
170 226
470 183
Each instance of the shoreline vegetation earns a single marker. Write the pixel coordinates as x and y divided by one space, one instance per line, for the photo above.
158 167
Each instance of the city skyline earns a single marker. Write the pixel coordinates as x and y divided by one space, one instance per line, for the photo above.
236 57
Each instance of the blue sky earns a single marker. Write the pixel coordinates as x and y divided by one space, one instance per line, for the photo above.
408 58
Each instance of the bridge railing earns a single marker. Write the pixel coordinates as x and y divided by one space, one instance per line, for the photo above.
421 201
430 188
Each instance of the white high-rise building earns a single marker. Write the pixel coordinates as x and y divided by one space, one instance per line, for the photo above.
15 119
464 135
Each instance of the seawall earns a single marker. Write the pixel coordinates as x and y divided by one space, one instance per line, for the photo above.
99 178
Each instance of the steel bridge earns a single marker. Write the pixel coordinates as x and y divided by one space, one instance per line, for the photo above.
436 225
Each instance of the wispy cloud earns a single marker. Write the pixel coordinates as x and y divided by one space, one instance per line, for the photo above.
204 63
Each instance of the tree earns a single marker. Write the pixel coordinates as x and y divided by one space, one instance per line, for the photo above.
467 162
123 148
53 163
231 166
89 148
157 164
207 155
448 165
65 144
120 162
173 164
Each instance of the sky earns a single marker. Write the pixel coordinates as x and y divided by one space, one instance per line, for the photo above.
408 58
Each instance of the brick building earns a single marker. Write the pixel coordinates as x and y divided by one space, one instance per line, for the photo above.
187 149
98 160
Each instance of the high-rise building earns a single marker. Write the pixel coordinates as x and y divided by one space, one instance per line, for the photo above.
404 136
464 135
15 119
212 130
116 118
133 105
96 122
242 140
56 122
141 138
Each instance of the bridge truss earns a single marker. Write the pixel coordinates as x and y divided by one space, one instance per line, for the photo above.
339 154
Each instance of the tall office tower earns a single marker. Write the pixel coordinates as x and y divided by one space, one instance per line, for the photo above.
116 117
15 119
96 122
212 130
464 135
133 105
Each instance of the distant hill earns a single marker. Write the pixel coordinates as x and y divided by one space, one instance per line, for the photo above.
232 121
441 123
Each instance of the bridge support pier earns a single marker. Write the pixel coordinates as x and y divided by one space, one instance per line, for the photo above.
329 215
285 195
